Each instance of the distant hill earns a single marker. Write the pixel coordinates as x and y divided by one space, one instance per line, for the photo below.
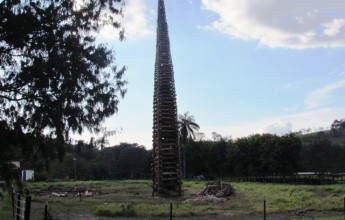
336 137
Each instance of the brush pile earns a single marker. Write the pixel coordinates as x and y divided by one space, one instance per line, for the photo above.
218 189
214 192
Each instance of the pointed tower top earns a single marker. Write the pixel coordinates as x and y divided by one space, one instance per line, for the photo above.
161 7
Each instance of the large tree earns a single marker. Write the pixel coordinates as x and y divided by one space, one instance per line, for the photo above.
187 129
55 77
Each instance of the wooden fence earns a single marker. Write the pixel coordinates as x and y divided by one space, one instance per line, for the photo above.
21 206
308 179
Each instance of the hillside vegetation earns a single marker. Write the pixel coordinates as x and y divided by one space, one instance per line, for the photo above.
255 155
337 138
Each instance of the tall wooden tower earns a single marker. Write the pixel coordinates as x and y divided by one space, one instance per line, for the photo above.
166 153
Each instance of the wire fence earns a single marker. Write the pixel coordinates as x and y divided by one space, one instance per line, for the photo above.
265 214
311 179
21 211
21 206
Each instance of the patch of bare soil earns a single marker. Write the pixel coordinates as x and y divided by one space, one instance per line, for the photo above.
66 191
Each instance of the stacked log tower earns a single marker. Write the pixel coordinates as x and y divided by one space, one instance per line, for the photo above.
166 153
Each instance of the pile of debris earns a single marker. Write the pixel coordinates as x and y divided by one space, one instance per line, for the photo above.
214 192
218 189
67 191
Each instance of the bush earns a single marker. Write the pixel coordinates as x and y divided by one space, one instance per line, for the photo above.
41 176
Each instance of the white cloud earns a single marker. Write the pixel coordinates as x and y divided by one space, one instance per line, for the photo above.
318 97
289 24
135 21
333 28
277 127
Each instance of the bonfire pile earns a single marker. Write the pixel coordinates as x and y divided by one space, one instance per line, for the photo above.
214 192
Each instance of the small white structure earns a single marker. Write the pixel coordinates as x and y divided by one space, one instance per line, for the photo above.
27 175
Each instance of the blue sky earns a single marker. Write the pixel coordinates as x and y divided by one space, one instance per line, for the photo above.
241 67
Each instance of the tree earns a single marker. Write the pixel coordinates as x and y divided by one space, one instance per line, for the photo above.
194 154
319 156
264 154
103 141
55 78
288 155
218 152
337 126
134 162
187 128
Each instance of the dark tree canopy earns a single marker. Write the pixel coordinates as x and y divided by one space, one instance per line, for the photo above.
337 126
54 76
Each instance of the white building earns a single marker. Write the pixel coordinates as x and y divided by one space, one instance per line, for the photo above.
27 175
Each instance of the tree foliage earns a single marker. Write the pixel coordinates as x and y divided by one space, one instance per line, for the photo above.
259 155
123 161
54 75
255 155
187 126
337 127
55 78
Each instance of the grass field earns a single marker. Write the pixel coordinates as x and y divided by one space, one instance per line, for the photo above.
133 199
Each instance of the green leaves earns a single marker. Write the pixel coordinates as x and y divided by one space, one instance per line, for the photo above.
55 78
187 126
62 79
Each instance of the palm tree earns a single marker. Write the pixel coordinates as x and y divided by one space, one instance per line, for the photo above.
187 129
103 141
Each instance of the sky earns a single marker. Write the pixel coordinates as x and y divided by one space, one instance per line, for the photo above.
241 67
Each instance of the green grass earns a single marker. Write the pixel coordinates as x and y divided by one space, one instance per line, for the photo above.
249 199
283 198
5 206
132 198
43 185
154 210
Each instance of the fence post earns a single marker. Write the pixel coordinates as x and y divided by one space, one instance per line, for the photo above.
79 195
171 211
264 208
27 208
17 217
12 197
46 210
